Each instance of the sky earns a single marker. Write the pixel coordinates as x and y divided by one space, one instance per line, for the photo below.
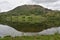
6 5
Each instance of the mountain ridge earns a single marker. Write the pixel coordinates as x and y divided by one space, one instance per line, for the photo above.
28 8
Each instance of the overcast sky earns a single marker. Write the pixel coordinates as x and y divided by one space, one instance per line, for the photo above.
6 5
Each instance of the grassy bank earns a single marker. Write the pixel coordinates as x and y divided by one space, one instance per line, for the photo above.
47 37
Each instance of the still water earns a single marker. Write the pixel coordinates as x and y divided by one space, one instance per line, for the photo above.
7 30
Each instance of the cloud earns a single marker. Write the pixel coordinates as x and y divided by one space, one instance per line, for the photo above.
4 6
44 1
10 4
51 4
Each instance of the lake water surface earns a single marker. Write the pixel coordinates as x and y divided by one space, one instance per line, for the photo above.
7 30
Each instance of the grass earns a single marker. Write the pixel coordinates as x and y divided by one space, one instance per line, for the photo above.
31 18
42 37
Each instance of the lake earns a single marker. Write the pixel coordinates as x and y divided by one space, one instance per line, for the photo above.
7 30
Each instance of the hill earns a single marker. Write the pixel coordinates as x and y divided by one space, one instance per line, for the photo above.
31 18
28 10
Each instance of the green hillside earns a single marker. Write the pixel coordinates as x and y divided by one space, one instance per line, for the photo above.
31 18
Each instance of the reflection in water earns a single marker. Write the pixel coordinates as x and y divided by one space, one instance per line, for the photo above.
7 30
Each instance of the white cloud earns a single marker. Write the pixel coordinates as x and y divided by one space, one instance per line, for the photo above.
44 1
5 6
51 4
10 4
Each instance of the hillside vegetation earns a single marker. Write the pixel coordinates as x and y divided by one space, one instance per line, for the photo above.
31 18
